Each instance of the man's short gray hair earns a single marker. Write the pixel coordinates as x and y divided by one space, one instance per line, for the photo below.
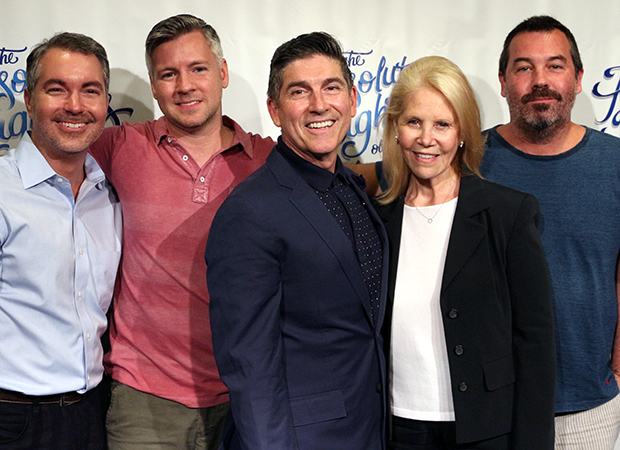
73 42
175 26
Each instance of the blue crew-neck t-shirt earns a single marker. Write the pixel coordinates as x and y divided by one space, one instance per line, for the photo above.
579 195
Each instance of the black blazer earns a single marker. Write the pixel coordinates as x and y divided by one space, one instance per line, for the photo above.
496 304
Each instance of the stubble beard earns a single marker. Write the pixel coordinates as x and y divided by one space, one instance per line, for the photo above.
541 123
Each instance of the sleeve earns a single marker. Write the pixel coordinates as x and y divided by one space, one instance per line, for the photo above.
383 184
103 148
4 232
531 296
243 277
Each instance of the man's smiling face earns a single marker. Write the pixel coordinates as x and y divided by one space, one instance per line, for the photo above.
315 108
187 81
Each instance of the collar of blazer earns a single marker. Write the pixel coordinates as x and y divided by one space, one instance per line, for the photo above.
466 234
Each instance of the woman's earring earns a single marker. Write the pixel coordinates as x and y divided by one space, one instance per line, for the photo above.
396 139
461 146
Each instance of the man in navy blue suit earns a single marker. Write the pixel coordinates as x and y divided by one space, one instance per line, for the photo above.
297 262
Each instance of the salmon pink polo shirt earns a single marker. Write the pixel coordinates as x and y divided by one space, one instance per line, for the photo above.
160 334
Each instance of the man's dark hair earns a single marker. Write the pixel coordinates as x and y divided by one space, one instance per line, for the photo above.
175 26
73 42
540 24
304 46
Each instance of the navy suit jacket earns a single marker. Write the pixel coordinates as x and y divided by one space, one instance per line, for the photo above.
290 317
496 304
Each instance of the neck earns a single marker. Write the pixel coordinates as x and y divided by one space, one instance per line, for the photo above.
202 143
432 192
554 140
71 168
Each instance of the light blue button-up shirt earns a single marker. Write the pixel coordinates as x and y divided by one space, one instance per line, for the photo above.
58 263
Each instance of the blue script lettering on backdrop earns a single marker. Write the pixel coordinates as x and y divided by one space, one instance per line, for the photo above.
12 83
611 95
370 83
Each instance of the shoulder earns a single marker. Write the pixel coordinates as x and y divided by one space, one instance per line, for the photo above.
261 146
599 140
114 137
259 187
501 199
387 211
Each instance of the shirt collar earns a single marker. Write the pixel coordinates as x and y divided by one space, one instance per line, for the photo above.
34 168
240 138
317 177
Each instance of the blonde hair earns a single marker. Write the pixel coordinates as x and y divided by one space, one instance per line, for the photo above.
445 77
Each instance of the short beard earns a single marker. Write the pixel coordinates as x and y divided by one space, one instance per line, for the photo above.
536 126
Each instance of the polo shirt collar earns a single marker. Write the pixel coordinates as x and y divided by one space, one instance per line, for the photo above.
240 137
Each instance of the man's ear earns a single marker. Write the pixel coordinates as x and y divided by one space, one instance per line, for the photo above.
353 101
502 83
273 112
224 73
28 101
579 78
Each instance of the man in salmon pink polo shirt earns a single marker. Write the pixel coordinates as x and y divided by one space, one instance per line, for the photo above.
171 176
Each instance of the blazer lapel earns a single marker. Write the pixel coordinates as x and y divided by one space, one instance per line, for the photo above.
314 211
392 216
467 232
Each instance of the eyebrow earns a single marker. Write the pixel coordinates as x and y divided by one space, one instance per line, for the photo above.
552 58
304 83
192 64
88 84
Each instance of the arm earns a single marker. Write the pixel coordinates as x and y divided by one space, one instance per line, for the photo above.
243 274
370 175
530 289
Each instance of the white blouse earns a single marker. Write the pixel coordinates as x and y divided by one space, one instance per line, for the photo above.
420 376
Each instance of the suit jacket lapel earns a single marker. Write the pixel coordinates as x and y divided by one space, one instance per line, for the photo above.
311 207
467 232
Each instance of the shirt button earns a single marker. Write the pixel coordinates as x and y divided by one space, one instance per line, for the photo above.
458 350
202 179
453 314
185 157
60 180
81 252
88 336
169 140
379 388
463 387
80 294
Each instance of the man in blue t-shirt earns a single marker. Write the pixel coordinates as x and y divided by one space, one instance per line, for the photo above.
574 173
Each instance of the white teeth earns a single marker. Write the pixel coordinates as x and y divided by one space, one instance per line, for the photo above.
73 125
189 103
423 156
325 124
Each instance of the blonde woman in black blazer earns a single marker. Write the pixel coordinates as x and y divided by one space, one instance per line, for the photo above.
492 296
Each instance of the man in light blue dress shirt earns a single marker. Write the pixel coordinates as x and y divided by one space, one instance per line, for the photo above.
60 242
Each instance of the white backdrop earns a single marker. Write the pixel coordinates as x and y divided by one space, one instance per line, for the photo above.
378 36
